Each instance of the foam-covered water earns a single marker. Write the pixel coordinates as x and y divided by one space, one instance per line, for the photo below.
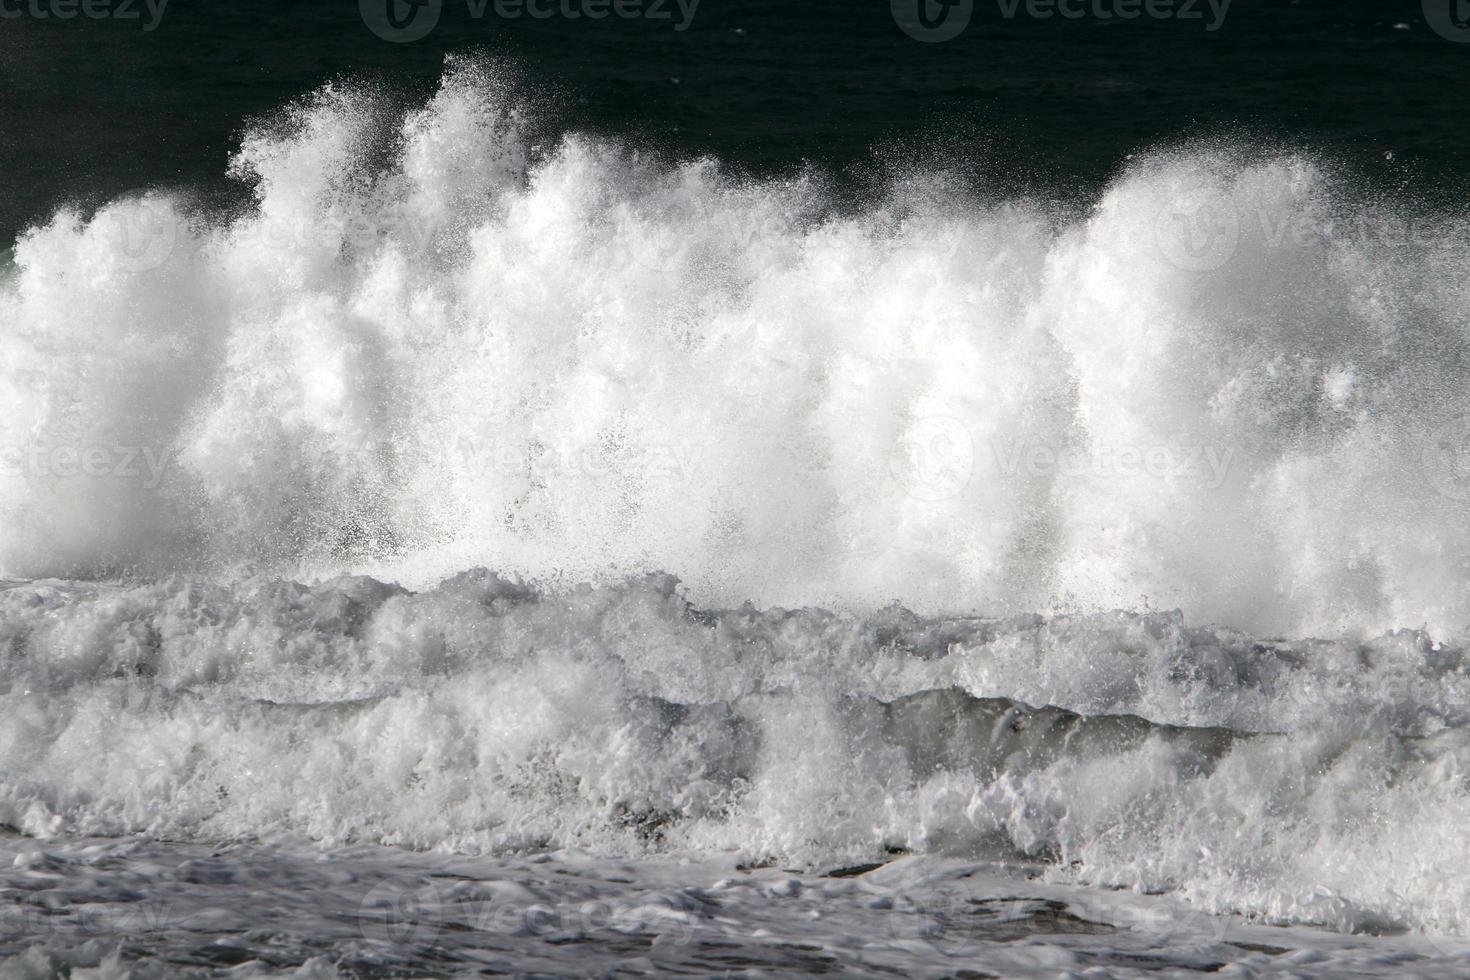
445 339
95 907
1300 782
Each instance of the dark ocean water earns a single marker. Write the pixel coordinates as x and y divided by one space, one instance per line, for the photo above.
94 107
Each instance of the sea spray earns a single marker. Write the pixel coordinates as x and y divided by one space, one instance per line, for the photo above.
1233 385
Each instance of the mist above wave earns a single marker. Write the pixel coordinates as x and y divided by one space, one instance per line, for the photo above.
440 338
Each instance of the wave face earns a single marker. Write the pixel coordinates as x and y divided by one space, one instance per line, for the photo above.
438 339
1310 781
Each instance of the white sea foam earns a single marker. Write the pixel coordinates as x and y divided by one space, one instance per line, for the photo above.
438 341
1309 782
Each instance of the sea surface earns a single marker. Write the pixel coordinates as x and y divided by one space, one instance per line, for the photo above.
766 490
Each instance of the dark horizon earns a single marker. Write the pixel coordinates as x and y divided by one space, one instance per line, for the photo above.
96 108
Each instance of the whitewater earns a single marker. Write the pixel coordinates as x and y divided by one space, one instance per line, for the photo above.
490 547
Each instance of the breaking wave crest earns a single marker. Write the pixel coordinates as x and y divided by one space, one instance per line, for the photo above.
441 338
